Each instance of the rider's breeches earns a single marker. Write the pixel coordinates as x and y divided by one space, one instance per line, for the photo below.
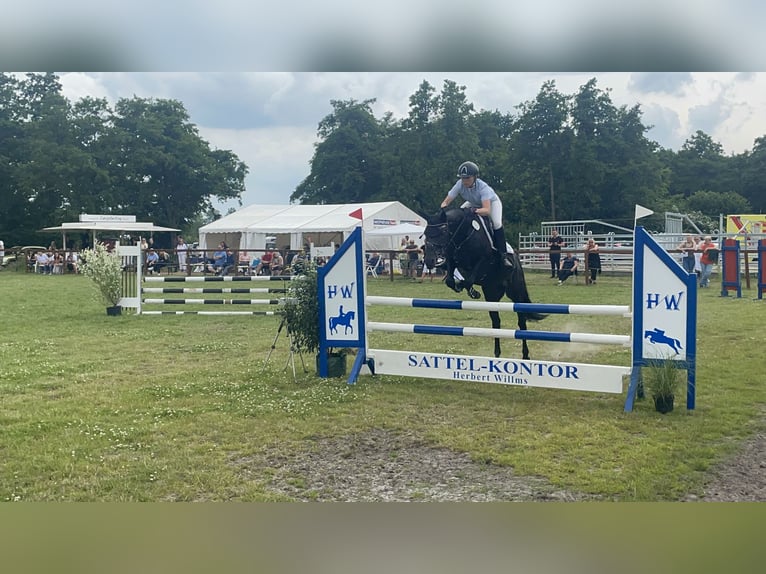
495 212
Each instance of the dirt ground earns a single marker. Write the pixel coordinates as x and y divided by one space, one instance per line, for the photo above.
382 466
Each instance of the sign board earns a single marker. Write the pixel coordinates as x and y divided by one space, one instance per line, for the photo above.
84 217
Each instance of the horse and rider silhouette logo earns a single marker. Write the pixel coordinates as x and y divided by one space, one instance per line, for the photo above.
342 319
658 336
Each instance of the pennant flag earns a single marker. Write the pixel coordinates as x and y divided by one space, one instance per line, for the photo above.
356 214
642 211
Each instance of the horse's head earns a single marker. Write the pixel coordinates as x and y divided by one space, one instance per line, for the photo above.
436 239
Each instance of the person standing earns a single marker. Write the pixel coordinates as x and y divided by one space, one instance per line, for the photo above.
413 255
2 253
181 252
707 260
688 246
593 259
555 243
482 200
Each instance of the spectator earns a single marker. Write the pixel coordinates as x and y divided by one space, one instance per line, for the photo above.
277 264
41 262
688 246
254 265
56 261
413 255
594 259
181 252
151 261
219 258
264 267
2 253
568 267
229 262
71 262
555 243
375 262
164 260
709 258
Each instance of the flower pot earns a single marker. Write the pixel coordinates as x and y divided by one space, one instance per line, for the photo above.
663 403
114 311
336 365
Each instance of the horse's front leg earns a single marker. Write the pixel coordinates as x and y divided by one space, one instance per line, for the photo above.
495 318
456 286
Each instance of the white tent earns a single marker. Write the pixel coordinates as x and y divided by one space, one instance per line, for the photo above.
294 225
391 236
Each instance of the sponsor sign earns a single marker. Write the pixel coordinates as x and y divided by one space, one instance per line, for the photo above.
519 372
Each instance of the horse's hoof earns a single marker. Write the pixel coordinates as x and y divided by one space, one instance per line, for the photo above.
473 293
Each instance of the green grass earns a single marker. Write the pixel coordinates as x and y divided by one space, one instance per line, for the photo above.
97 408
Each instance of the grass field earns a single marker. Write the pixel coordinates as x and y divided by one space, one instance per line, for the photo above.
97 408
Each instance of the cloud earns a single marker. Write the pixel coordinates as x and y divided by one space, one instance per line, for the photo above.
277 158
672 83
665 125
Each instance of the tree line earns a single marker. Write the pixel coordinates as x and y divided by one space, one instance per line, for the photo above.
557 157
143 157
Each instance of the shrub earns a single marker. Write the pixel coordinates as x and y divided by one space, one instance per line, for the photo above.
104 268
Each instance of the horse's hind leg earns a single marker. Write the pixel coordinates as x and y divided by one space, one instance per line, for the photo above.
523 327
495 318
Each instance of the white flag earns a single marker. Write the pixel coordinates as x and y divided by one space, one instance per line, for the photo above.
642 211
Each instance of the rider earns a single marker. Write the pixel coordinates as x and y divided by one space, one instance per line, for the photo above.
483 201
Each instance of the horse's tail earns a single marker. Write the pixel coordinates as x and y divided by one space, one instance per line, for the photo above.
517 291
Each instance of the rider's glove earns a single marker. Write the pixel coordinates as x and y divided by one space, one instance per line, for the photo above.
474 209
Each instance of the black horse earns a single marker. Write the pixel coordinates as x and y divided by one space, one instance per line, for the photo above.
464 241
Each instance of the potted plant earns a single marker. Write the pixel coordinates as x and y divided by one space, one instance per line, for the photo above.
104 269
662 379
301 312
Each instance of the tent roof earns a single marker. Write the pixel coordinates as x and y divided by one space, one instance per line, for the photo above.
109 226
272 219
401 229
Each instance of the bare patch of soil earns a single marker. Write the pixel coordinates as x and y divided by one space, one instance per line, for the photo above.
741 478
383 466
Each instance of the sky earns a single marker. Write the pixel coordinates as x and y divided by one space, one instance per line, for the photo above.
269 119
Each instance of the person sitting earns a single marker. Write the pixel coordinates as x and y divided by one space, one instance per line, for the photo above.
243 262
219 258
163 260
229 263
254 265
152 259
71 262
264 267
41 263
277 264
375 263
568 267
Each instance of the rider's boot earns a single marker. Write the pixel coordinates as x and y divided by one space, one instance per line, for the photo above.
498 235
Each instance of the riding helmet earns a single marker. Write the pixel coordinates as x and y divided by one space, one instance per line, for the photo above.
468 169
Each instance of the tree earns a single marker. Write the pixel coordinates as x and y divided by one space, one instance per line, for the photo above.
58 160
346 166
162 169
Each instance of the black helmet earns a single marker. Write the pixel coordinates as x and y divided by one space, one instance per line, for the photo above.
468 169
